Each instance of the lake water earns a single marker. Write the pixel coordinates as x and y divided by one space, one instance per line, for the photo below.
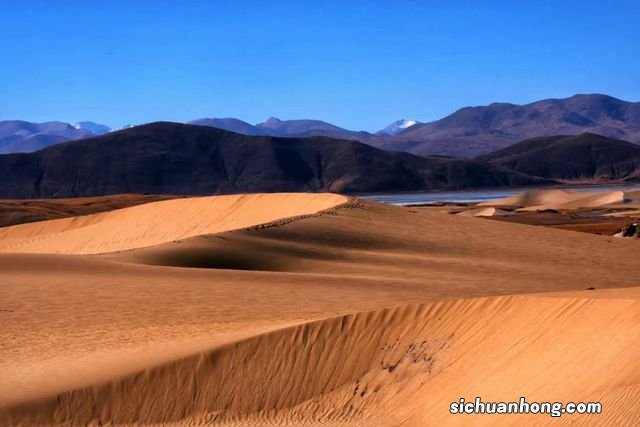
476 196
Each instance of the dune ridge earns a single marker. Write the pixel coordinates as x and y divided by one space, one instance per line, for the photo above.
483 212
20 211
160 222
396 366
539 200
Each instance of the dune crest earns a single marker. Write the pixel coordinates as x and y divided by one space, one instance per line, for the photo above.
539 200
483 212
160 222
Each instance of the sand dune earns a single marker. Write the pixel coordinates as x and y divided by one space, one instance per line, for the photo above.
154 223
582 201
539 200
633 195
399 366
629 213
21 211
364 314
483 212
533 198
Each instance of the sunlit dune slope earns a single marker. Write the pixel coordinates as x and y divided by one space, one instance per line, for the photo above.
559 200
532 198
397 366
20 211
483 212
154 223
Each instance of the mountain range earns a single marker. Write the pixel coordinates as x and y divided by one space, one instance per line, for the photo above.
17 136
21 136
173 158
467 133
474 131
284 128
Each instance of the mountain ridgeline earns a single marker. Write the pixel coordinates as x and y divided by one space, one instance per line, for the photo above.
172 158
474 131
587 157
21 136
467 133
284 128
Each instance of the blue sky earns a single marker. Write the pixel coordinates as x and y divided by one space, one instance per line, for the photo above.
358 64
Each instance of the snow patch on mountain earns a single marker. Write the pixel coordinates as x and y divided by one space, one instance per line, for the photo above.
93 127
397 127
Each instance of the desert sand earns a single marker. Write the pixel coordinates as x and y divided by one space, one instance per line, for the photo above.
539 200
632 213
604 213
483 212
159 222
20 211
338 311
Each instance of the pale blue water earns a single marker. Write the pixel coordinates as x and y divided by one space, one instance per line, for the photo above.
476 196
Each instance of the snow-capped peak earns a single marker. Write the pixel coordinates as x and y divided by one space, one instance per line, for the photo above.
398 126
123 127
94 128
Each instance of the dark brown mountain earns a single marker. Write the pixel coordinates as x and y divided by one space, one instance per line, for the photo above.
582 157
473 131
171 158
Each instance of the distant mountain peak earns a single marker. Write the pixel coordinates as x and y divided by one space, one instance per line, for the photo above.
397 127
479 130
302 127
229 124
123 127
93 127
18 136
271 122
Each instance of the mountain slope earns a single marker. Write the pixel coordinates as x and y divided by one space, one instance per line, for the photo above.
93 127
18 136
582 157
474 131
286 128
279 127
32 143
230 124
289 128
172 158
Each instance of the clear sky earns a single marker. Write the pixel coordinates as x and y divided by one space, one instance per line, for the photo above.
358 64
